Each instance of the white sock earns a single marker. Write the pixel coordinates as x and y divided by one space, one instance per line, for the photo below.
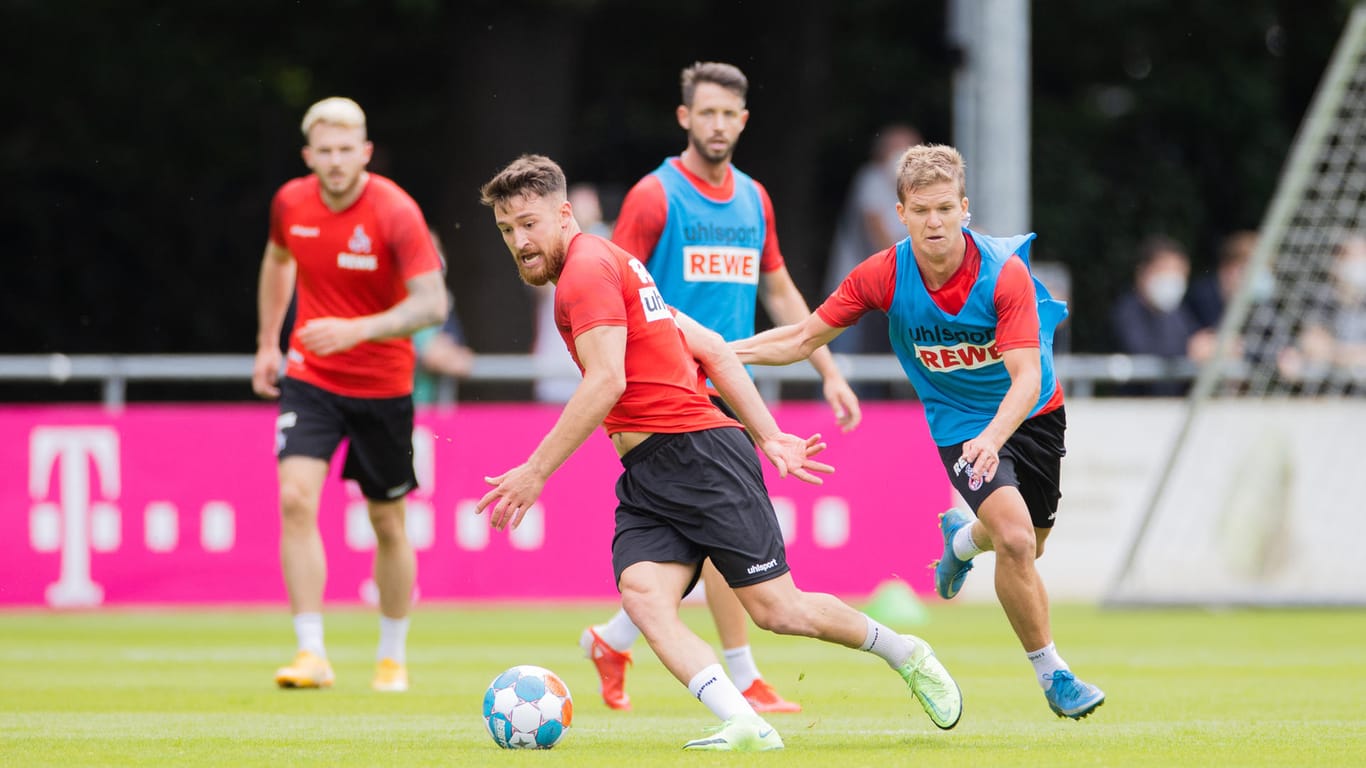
718 693
619 631
393 639
308 628
1046 661
893 648
964 548
740 663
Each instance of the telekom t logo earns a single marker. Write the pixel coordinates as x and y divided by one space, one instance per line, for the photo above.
78 521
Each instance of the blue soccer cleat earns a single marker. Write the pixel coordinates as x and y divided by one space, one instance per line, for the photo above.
1070 697
949 571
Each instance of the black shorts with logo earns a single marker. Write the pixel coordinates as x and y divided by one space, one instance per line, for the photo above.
685 497
1031 460
313 421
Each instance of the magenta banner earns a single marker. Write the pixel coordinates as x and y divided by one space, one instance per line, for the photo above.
171 504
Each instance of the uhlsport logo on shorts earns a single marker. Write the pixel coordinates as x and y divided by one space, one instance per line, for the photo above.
762 567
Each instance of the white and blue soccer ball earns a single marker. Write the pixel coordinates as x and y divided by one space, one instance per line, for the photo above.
528 707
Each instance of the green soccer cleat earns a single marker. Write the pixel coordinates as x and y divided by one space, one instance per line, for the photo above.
742 733
932 685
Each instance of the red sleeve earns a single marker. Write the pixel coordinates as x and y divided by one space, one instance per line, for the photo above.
277 219
1017 310
771 258
409 237
588 293
641 221
869 286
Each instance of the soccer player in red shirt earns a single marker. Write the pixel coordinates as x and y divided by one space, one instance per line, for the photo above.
691 486
356 249
706 230
974 333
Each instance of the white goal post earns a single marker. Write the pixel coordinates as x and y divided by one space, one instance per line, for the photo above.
1261 500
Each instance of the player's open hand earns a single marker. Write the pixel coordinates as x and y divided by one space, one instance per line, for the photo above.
513 493
330 335
792 456
844 402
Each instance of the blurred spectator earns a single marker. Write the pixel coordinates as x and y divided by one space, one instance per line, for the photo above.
1209 294
441 353
1333 337
1150 319
441 350
556 373
869 223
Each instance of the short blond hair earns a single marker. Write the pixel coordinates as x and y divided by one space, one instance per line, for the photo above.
334 110
927 164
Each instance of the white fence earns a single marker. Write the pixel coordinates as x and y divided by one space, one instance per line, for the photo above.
1080 373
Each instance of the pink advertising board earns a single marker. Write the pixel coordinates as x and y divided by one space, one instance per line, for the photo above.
176 504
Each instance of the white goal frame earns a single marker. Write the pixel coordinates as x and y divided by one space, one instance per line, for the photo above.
1259 501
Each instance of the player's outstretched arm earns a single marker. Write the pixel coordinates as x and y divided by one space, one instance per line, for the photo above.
785 305
789 453
786 343
602 351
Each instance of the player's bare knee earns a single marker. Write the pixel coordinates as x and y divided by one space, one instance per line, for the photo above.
787 617
297 505
645 608
1015 544
388 523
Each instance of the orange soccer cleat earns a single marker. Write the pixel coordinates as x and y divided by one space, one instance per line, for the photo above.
611 665
763 698
390 676
308 670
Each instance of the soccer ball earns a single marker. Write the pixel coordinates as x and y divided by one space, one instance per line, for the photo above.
527 707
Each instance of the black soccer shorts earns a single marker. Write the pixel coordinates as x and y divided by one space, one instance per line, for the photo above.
685 497
379 456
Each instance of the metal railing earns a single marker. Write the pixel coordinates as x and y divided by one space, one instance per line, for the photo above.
1080 373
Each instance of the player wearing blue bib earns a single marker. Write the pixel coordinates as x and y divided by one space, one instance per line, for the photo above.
705 231
974 332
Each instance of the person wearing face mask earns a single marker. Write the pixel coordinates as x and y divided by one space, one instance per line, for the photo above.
1150 319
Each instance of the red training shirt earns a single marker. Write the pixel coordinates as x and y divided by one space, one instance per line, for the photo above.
352 263
601 284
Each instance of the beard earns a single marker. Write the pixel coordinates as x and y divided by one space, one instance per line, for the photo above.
711 155
552 262
340 186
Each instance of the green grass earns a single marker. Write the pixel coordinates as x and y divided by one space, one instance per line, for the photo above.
1185 688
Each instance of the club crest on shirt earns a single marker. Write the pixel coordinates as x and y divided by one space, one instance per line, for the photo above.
359 242
357 256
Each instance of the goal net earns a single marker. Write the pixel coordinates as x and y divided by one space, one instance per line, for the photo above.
1261 499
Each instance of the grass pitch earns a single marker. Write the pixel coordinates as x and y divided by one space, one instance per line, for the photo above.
194 688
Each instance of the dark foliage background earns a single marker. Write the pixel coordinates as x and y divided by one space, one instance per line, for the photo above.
146 138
